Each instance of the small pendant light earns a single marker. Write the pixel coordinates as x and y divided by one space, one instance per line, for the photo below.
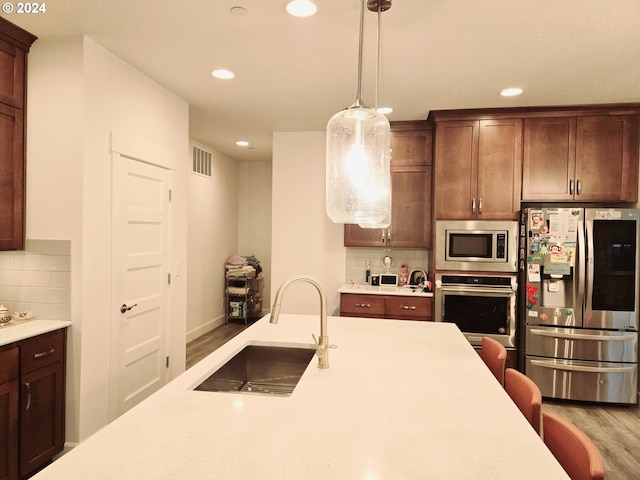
358 188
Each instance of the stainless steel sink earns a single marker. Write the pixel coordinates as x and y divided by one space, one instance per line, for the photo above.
262 370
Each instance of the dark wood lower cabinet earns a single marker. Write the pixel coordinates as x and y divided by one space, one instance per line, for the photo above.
32 402
9 413
42 417
393 307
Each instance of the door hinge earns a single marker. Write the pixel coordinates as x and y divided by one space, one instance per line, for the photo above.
169 278
170 194
167 362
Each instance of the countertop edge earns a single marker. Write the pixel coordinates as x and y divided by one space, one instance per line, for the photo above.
12 333
364 289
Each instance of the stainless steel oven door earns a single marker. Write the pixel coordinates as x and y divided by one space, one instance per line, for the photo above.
478 311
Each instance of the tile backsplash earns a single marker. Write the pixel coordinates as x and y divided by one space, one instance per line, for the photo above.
38 279
356 261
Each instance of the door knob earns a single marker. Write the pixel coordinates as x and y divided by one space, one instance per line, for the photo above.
125 309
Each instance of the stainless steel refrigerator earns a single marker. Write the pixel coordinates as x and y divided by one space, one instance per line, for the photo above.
579 301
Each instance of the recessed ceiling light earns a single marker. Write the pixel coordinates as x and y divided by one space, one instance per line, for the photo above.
511 92
224 74
242 143
301 8
384 110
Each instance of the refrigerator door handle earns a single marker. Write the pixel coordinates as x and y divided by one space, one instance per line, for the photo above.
588 267
580 272
582 368
584 336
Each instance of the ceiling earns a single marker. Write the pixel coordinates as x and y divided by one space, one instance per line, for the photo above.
293 74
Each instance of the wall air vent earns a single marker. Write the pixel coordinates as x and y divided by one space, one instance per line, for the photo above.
201 162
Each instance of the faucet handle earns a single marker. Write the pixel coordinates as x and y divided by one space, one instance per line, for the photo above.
315 340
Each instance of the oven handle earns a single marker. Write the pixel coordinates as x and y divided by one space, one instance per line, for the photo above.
581 368
501 292
584 336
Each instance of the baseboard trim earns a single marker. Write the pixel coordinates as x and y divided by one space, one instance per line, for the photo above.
205 328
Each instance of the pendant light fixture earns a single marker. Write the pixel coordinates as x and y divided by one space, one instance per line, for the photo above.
358 188
381 7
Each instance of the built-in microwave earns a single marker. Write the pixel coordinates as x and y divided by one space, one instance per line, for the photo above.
477 245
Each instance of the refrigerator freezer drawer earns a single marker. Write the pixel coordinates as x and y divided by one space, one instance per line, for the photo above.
587 381
582 344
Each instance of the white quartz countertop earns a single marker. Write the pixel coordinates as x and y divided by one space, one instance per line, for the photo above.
17 330
384 290
401 400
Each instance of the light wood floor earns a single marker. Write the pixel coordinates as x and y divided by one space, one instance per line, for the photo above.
205 344
614 429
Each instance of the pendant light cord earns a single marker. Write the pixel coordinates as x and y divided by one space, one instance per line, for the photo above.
358 103
378 57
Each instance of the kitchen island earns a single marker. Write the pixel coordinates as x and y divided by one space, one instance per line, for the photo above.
400 400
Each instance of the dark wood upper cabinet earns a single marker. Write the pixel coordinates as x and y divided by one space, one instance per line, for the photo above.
411 177
591 158
14 46
478 169
549 158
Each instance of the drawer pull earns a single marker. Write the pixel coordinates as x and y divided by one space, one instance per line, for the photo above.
408 307
363 305
44 354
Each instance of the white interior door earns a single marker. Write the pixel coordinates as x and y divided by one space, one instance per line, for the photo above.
140 282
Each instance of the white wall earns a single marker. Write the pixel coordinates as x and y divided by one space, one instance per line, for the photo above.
304 240
229 213
78 93
54 176
254 212
213 237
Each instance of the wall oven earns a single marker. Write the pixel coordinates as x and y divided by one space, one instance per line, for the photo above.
480 305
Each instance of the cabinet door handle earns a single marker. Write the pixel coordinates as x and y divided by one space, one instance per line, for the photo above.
408 307
28 387
578 187
570 187
473 205
480 205
363 305
44 354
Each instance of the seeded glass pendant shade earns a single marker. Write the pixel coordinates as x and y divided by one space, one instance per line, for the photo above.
358 188
358 167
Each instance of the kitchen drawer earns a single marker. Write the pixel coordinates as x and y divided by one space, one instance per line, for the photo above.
579 380
8 364
42 350
352 304
582 344
409 308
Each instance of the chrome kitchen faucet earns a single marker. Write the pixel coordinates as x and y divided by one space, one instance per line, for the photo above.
322 344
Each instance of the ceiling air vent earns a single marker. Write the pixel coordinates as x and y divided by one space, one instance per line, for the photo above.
201 163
